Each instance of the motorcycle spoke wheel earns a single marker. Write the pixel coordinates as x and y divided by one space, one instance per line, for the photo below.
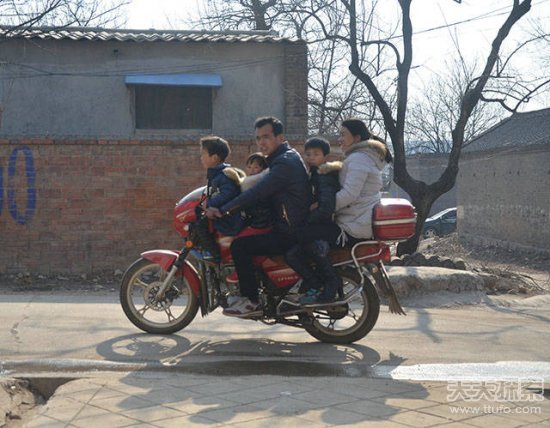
351 322
357 310
173 312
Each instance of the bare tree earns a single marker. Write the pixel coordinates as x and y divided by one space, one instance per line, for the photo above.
61 13
240 14
510 88
511 92
333 94
434 111
422 194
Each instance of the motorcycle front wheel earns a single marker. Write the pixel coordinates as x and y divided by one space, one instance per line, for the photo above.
138 292
347 323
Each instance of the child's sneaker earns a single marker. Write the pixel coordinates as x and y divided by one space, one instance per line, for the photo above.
209 257
310 297
330 290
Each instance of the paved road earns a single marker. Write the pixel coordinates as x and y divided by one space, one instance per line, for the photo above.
91 329
402 374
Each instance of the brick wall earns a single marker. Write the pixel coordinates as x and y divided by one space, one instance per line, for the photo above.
83 206
503 198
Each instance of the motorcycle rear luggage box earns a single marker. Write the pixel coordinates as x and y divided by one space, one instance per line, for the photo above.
394 219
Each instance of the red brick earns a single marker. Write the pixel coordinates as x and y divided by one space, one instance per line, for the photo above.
105 199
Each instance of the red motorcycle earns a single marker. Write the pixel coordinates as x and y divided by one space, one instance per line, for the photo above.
162 291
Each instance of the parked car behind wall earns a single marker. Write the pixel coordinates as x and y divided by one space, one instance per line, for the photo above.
442 223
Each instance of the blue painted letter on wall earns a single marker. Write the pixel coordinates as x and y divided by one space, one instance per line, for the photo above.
31 189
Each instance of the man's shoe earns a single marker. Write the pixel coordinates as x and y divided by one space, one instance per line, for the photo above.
233 300
244 308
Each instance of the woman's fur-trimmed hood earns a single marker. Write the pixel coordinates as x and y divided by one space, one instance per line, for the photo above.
329 167
376 149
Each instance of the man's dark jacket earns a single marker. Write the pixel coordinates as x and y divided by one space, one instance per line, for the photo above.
286 186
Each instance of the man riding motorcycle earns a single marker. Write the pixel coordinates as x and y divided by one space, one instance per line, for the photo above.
288 189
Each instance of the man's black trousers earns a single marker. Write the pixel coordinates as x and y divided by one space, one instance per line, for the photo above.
243 249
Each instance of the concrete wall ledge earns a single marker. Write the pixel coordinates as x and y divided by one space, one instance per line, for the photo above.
429 287
421 280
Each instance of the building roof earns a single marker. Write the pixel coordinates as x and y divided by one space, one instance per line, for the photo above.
125 35
520 129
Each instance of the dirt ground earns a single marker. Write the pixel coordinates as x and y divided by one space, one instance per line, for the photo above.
104 282
527 271
17 400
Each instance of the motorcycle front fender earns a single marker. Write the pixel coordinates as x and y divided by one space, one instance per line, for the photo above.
166 258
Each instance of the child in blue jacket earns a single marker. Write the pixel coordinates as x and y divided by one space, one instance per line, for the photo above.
222 186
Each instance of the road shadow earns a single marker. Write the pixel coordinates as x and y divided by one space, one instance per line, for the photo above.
423 325
227 357
527 312
231 381
143 348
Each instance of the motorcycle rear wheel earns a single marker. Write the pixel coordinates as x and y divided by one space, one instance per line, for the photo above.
137 298
359 320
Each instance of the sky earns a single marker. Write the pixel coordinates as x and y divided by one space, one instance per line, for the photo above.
432 46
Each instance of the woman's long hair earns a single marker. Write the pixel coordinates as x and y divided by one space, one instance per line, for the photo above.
358 127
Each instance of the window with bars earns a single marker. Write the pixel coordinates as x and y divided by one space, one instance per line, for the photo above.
173 107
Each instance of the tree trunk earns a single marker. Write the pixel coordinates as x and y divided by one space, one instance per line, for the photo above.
423 204
423 197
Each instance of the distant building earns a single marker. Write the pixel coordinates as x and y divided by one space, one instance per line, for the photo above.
141 84
99 133
504 184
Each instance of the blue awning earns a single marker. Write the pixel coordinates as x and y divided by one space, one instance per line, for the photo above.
184 79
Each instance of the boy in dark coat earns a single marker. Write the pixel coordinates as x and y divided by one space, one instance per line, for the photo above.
223 185
312 247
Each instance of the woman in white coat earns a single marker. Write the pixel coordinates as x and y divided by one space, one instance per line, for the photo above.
365 156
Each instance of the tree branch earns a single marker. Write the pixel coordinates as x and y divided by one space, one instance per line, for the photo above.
473 95
385 43
356 70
